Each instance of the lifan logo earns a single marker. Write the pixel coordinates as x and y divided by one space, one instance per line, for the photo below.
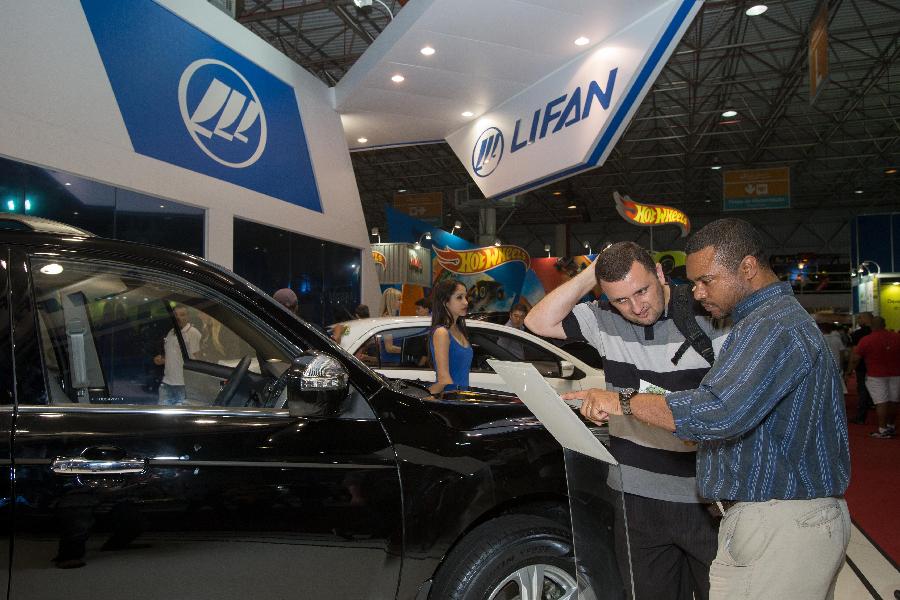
222 113
487 152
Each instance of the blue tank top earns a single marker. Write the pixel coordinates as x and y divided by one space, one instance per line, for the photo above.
460 363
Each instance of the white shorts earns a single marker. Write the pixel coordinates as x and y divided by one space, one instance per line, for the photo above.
883 389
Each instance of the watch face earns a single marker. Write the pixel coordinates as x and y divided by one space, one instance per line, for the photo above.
628 392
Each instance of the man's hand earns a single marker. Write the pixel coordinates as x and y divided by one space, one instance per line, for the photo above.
159 360
596 405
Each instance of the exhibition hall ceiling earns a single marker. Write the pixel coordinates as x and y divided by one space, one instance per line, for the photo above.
842 148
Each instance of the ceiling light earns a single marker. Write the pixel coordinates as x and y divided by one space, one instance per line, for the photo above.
497 242
162 205
401 191
362 140
756 10
397 78
427 50
67 183
468 113
457 225
890 171
857 191
572 206
716 167
582 41
729 113
557 193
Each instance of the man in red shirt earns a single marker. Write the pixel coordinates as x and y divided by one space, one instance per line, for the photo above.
881 351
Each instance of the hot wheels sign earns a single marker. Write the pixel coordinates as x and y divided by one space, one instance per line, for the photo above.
649 215
479 260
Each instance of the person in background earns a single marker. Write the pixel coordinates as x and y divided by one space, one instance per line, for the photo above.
863 399
450 347
172 388
835 343
516 321
423 307
881 351
288 299
339 329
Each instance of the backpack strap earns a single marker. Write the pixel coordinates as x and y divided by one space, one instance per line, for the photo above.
686 322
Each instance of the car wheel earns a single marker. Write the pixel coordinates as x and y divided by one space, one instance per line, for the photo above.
511 557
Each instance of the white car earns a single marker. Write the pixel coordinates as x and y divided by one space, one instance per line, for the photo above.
397 347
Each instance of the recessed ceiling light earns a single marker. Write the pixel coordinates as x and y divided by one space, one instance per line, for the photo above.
582 41
401 191
427 50
468 113
857 191
362 140
557 193
572 206
398 78
75 213
716 167
729 113
890 171
162 205
67 183
756 10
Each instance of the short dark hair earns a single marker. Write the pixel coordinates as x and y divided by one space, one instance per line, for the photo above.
519 308
732 240
362 311
615 261
424 303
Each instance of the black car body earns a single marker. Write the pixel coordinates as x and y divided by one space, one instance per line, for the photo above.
258 484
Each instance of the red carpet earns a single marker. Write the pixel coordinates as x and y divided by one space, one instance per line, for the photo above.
874 492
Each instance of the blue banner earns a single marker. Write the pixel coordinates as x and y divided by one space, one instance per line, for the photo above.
191 101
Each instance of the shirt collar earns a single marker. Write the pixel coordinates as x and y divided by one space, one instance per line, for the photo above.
760 297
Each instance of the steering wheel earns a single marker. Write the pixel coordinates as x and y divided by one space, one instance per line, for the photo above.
234 381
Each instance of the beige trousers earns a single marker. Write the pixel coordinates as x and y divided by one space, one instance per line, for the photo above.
780 549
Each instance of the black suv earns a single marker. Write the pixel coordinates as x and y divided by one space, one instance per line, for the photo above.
171 432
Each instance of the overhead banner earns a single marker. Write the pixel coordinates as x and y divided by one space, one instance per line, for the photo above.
756 189
570 120
189 100
428 206
651 215
818 52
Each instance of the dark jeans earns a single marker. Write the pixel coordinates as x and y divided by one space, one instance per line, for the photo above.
672 545
863 398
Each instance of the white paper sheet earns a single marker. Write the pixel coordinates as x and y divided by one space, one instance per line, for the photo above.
557 416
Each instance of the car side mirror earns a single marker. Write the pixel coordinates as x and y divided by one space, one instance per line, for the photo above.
316 385
566 369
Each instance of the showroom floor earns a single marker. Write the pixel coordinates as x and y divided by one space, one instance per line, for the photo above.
867 572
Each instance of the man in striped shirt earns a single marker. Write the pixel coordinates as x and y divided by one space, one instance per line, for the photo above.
672 537
770 422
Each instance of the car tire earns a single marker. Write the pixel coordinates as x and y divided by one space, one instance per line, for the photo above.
499 557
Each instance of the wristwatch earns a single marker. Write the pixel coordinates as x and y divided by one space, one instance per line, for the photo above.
625 396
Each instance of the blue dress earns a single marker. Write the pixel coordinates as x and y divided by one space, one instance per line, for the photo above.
460 358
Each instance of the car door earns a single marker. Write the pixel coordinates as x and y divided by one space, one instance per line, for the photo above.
7 405
398 352
208 491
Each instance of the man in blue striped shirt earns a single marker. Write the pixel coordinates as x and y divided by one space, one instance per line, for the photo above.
770 422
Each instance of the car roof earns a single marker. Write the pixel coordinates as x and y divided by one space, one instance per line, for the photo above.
31 223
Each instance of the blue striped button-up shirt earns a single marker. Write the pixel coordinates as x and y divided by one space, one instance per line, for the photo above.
769 416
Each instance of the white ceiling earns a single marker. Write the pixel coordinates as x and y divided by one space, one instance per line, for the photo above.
486 52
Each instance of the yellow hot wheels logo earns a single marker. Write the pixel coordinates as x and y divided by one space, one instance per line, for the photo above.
479 260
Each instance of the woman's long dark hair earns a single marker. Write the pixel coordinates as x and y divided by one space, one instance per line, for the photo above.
440 295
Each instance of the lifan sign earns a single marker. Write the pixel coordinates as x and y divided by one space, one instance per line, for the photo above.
569 120
651 215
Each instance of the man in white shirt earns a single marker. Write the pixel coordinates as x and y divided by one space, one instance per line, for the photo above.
172 390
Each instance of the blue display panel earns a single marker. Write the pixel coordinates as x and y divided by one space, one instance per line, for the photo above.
191 101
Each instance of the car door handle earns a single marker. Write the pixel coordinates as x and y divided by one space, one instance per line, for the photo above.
99 461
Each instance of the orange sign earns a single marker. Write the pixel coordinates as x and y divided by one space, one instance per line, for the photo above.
427 207
651 215
757 189
380 259
818 52
479 260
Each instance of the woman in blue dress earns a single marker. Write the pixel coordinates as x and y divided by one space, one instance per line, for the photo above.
451 350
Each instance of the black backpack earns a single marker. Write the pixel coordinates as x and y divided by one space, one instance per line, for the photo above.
686 322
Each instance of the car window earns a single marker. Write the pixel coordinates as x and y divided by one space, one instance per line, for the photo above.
488 343
401 348
115 335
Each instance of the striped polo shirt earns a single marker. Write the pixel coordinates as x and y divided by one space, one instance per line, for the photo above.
654 463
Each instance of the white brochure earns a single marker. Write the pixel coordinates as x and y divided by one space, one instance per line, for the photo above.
557 416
